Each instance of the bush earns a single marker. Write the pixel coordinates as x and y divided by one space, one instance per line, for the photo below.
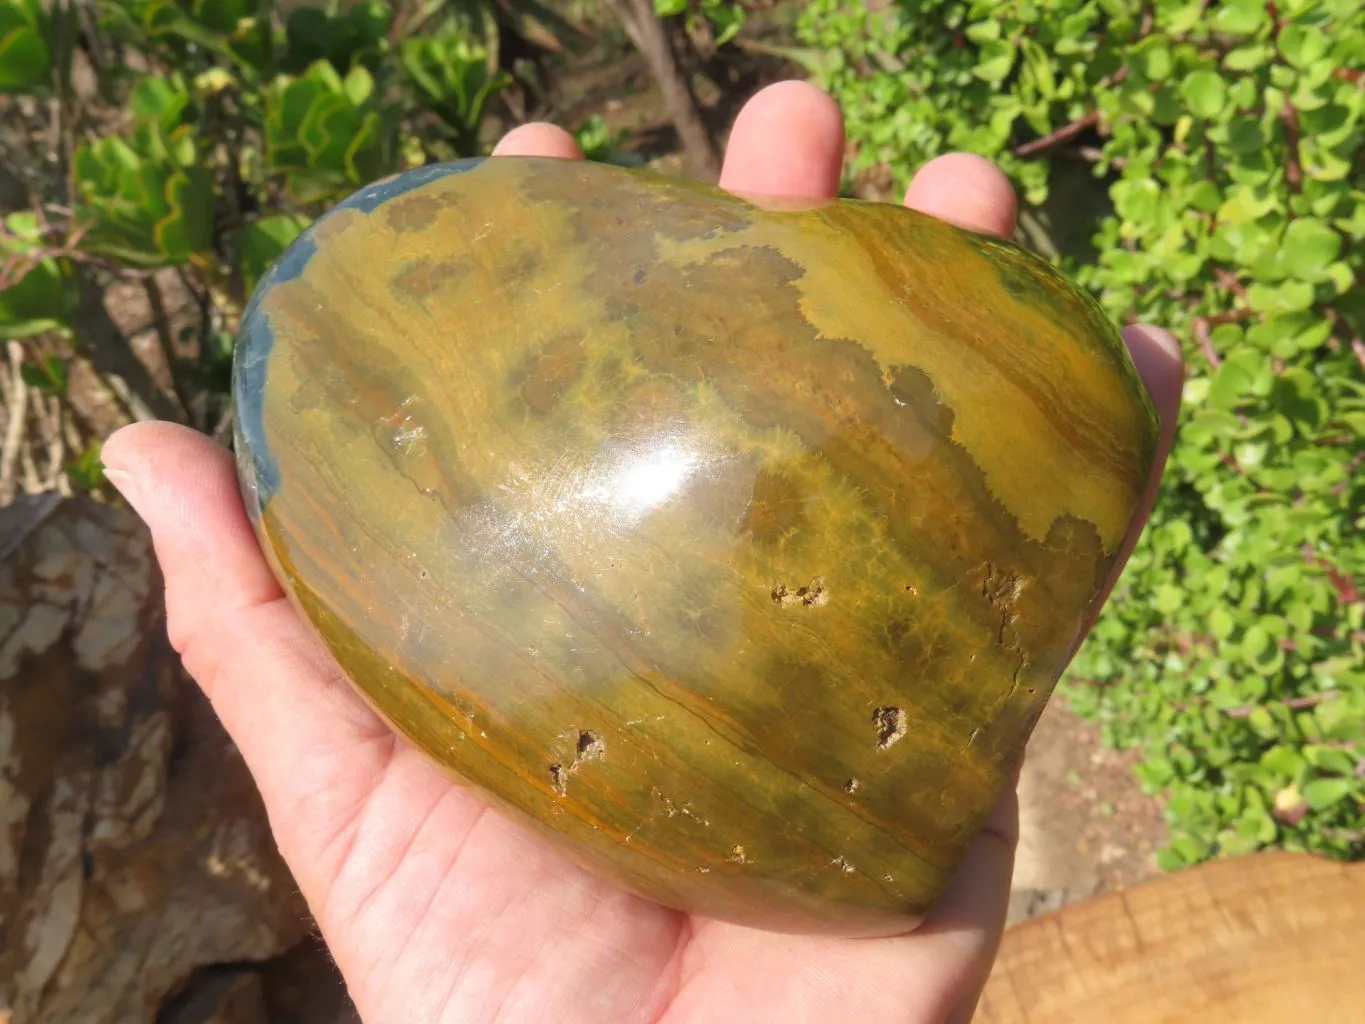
212 134
1225 144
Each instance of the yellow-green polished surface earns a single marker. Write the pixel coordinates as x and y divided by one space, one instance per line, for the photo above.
737 549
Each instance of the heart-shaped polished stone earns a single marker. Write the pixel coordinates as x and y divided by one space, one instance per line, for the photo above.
736 548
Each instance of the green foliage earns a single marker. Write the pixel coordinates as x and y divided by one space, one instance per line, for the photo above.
145 198
263 241
1226 139
456 75
25 59
36 291
357 36
244 126
724 18
324 133
86 471
49 374
599 143
186 32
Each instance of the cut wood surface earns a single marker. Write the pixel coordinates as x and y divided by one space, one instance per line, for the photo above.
1270 937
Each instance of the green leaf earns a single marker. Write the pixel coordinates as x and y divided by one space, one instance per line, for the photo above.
455 76
142 207
1323 793
1331 759
86 471
1205 92
1241 17
355 37
41 295
49 374
997 60
319 137
262 242
1309 247
1153 58
25 61
670 8
1302 45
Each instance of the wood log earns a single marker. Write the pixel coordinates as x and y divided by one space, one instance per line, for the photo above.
1271 937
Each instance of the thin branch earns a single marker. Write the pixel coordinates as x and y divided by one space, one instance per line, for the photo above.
1293 168
1060 135
1293 703
162 322
17 413
650 37
114 360
1201 334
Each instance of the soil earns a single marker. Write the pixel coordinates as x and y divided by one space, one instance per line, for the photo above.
1085 824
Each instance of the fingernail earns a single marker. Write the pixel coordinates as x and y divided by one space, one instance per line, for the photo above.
1164 338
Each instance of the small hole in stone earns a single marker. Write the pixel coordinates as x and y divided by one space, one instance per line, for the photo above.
558 776
891 725
813 595
589 746
851 786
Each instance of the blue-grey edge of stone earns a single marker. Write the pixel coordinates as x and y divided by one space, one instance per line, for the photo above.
256 467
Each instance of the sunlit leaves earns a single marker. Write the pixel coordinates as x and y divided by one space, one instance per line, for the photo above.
1228 143
324 133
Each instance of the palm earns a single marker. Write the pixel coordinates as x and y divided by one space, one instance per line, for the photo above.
438 911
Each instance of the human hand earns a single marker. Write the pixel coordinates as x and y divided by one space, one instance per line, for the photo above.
436 909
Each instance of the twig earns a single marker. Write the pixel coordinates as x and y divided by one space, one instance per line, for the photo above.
115 361
1293 703
1201 333
48 411
32 484
14 429
162 322
1293 168
1062 134
650 37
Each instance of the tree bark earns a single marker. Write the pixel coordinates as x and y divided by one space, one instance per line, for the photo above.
650 37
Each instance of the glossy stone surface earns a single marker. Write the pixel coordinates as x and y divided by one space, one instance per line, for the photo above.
736 549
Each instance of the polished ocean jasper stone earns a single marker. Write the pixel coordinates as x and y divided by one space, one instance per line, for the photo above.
735 547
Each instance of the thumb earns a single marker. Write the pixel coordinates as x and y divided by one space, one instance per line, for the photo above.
185 489
313 746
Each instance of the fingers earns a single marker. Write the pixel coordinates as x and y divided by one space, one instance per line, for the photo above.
962 932
965 190
205 545
787 141
1157 357
273 685
539 139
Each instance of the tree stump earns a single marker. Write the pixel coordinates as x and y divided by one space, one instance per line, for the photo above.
1261 939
